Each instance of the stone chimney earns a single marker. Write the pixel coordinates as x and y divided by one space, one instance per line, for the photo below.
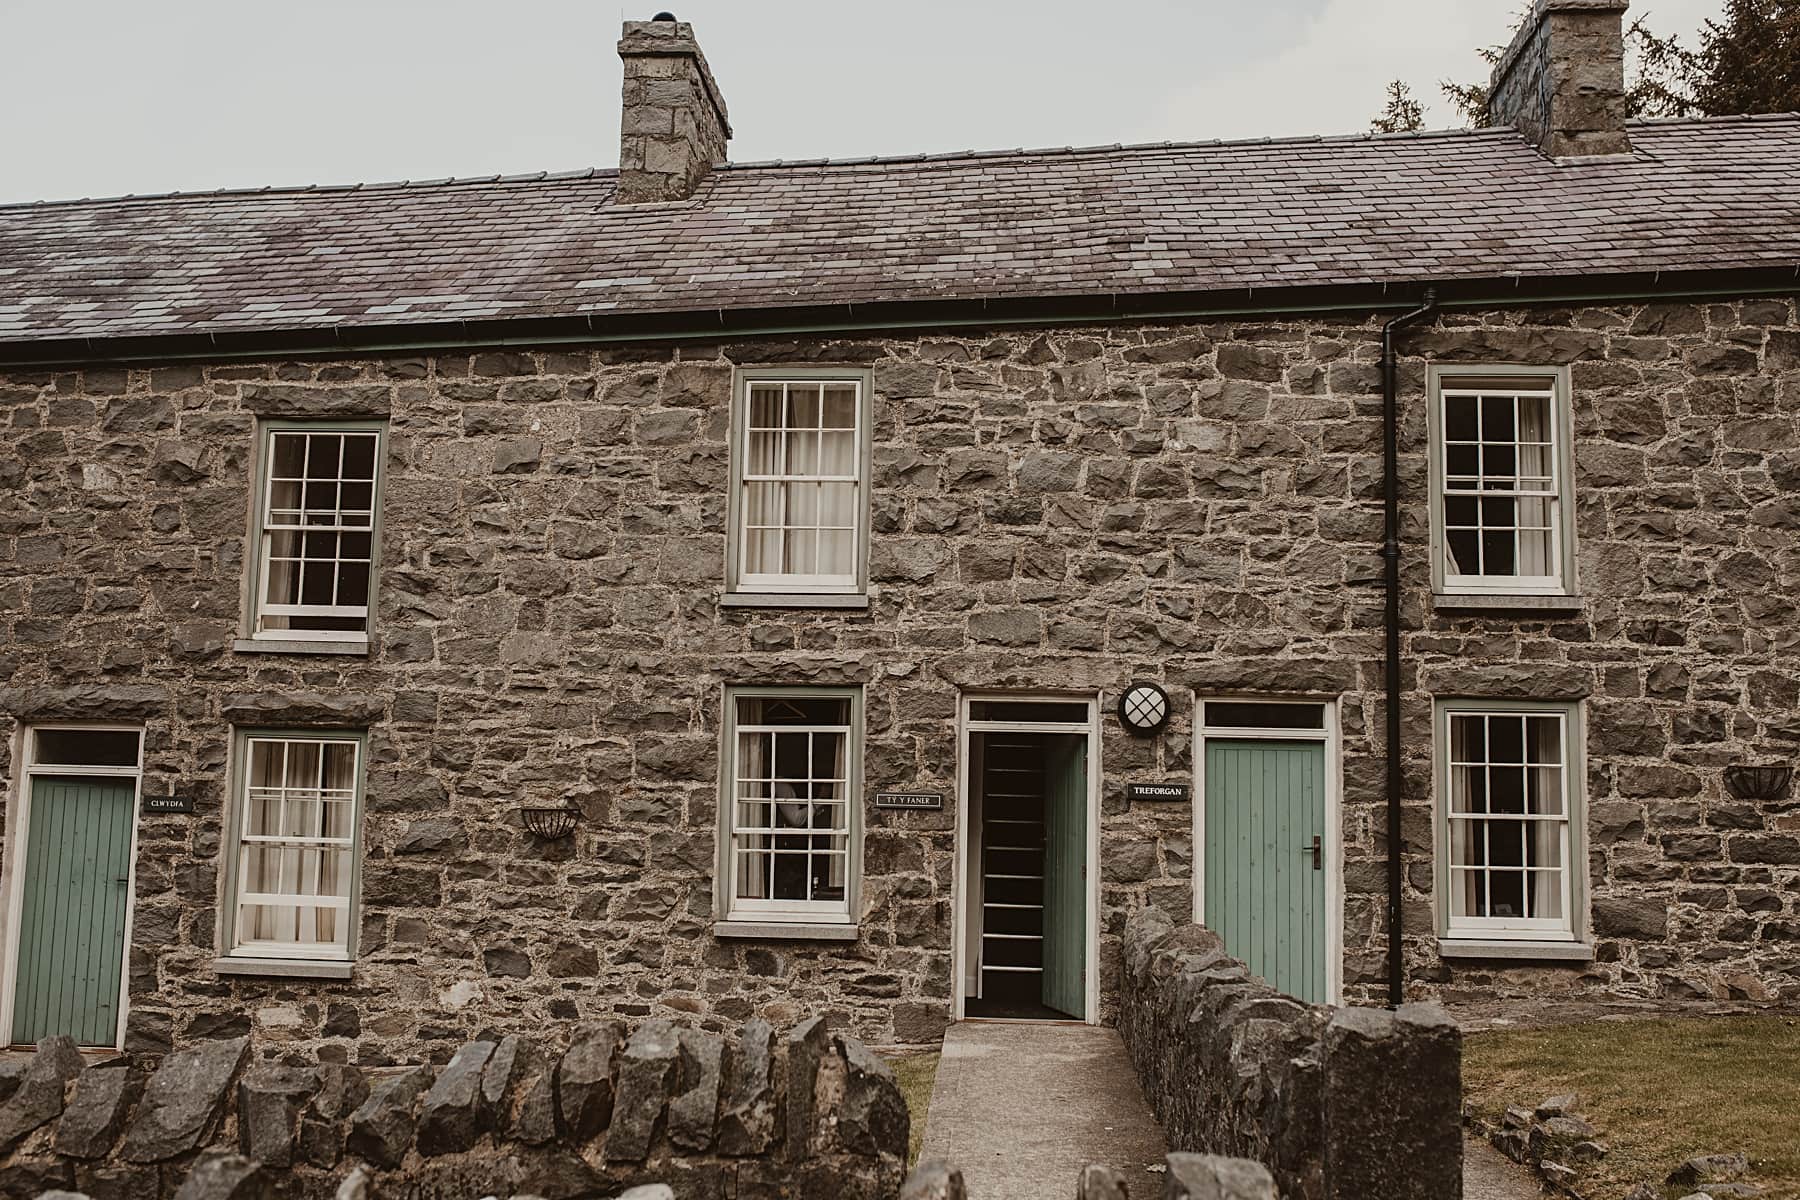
674 126
1562 81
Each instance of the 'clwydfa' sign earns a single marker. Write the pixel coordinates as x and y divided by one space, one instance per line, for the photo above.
1156 791
168 804
914 801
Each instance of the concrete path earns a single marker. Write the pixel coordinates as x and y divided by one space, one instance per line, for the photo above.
1490 1175
1021 1108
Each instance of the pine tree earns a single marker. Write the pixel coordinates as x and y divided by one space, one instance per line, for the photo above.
1747 62
1403 114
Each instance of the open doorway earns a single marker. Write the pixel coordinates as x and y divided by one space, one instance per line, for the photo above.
1028 838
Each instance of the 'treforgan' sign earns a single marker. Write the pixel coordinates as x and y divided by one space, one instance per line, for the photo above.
925 801
1156 791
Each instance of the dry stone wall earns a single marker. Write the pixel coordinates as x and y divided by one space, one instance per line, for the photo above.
1195 503
584 1112
1340 1104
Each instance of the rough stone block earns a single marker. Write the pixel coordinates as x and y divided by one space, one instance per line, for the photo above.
270 1099
222 1175
871 1117
1210 1177
693 1113
934 1180
1098 1182
1392 1104
747 1114
342 1089
381 1130
584 1079
533 1118
97 1111
807 1043
454 1114
183 1100
501 1075
647 1069
38 1099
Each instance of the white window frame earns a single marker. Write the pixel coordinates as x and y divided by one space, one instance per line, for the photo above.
18 841
1533 381
275 952
738 581
1571 926
262 531
838 913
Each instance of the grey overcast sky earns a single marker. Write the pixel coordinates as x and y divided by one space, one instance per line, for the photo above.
106 97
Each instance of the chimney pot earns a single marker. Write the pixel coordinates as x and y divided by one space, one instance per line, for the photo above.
1561 83
673 126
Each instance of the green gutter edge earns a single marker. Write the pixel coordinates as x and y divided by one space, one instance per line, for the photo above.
900 316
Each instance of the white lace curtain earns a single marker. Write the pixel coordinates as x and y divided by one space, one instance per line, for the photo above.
296 843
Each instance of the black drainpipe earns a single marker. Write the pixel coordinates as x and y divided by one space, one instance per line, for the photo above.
1390 554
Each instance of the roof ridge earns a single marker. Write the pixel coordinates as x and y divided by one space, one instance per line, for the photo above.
1424 135
302 189
1114 148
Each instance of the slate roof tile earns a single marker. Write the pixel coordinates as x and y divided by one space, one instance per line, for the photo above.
1694 195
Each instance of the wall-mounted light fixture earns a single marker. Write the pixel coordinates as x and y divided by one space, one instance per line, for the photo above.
1765 782
1143 709
551 824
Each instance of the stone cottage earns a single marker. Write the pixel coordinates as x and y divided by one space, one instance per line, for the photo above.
717 589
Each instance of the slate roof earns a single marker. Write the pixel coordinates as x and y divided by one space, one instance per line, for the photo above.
1696 195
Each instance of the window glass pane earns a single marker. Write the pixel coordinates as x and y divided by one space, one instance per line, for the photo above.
1501 506
1265 716
803 406
799 435
802 454
322 481
790 822
793 710
1460 422
837 552
1507 818
359 456
1027 711
295 854
840 406
86 747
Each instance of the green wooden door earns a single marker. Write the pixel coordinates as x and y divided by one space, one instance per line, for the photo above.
1265 895
1065 875
72 920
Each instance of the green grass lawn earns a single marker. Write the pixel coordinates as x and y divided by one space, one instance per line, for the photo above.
917 1073
1658 1091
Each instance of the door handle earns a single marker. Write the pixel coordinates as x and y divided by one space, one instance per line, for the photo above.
1317 850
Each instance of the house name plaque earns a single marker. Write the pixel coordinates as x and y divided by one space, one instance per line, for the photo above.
923 801
168 804
1156 791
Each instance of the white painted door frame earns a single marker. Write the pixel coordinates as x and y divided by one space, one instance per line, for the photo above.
18 832
967 725
1329 737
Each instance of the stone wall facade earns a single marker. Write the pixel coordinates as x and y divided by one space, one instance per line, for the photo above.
1064 510
588 1111
1339 1104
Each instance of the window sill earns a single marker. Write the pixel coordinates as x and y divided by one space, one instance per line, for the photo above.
785 931
1497 602
300 646
793 600
1520 951
296 968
